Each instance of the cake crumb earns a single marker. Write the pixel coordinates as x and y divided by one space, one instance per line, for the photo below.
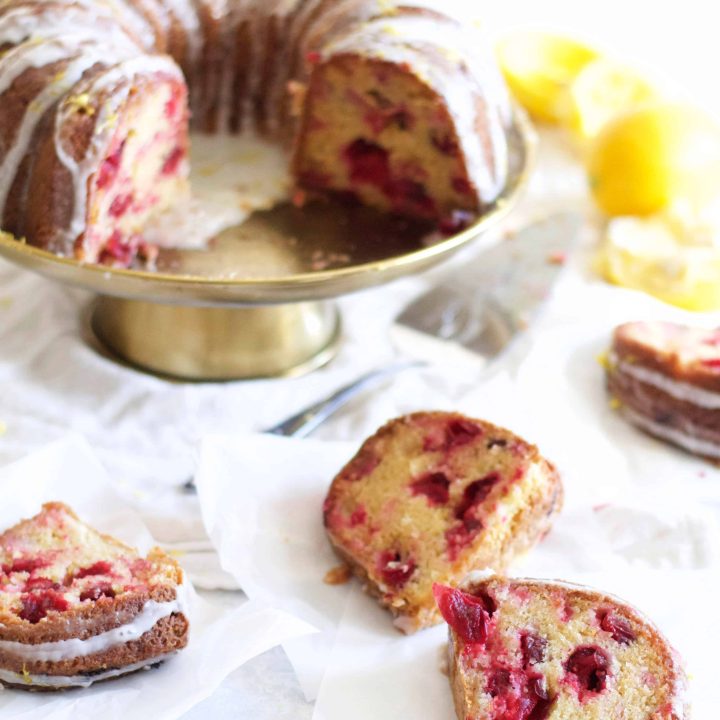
557 258
443 664
3 428
614 403
603 360
338 575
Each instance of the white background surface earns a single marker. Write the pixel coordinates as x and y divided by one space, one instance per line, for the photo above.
146 430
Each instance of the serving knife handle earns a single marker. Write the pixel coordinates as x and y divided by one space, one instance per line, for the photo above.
306 421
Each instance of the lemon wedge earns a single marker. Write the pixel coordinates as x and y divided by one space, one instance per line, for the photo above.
602 90
539 69
647 158
647 254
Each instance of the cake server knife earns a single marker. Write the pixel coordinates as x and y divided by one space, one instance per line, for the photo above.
488 303
480 309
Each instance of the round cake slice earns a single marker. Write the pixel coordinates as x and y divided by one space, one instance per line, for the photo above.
538 650
78 607
665 379
432 496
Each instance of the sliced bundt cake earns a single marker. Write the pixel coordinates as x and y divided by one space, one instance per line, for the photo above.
77 607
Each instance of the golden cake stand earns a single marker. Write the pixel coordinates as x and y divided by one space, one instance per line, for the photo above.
258 302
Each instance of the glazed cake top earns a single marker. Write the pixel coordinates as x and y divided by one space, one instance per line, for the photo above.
54 562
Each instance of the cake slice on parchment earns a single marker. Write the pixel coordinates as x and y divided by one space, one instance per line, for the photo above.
77 607
537 650
665 379
430 497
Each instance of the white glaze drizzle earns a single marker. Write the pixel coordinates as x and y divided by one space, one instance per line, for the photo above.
71 648
38 55
676 388
79 681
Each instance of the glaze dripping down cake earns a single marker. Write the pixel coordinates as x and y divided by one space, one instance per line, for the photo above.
432 496
78 607
394 106
537 650
665 379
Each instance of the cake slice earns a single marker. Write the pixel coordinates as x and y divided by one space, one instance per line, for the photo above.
77 607
665 379
536 650
380 124
432 496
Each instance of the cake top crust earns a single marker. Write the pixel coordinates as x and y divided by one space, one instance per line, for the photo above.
54 567
684 353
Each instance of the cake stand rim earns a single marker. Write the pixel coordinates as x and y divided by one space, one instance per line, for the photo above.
307 286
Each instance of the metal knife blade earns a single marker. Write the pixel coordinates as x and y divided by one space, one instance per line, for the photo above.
483 306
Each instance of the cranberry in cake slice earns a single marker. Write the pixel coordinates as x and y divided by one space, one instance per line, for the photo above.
665 379
78 607
432 496
378 126
535 650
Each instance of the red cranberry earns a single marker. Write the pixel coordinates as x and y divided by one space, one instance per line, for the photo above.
475 493
462 186
36 605
358 516
40 583
499 682
541 701
25 564
711 363
445 143
395 571
467 614
313 57
533 649
109 169
116 251
410 195
97 591
173 105
589 666
456 433
101 567
173 160
435 487
121 204
368 163
618 627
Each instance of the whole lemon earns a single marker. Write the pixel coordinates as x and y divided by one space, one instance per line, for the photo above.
648 157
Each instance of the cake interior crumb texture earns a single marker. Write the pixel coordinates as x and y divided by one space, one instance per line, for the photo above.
432 496
533 650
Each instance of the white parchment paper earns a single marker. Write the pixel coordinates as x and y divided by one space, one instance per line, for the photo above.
641 519
221 639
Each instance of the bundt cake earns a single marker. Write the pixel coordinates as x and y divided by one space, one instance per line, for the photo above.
394 106
665 379
536 650
77 607
432 496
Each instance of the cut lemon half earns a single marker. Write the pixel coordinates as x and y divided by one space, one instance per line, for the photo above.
647 158
645 254
602 90
539 69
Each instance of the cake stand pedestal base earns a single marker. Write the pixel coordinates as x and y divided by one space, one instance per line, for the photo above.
218 343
